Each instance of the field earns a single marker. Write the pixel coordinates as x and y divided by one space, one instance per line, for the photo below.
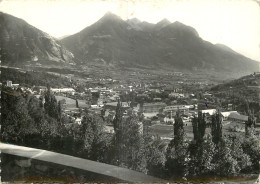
71 103
166 131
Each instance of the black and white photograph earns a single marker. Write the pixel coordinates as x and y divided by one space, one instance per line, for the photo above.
130 91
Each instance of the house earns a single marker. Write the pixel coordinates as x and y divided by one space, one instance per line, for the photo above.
114 98
109 129
96 106
78 121
42 89
157 99
230 107
234 116
106 91
226 115
176 95
15 85
9 83
238 117
169 119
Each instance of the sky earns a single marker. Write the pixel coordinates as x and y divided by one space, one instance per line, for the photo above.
235 23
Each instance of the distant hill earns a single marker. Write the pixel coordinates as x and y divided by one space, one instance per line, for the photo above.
247 86
21 42
132 43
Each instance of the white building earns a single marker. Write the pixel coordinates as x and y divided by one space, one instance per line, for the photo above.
225 115
63 90
176 95
209 111
78 121
9 83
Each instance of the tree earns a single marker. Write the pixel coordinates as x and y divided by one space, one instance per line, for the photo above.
216 128
225 163
178 130
250 124
201 151
237 152
60 111
16 120
201 158
176 154
77 103
127 149
50 105
252 148
199 127
117 124
155 156
94 139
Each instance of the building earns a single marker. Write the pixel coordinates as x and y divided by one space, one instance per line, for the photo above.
15 85
157 99
229 107
78 121
42 89
225 115
238 117
176 95
109 129
9 83
96 106
63 90
183 109
169 119
113 105
209 111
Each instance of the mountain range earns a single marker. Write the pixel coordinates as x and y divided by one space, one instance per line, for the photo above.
21 43
132 43
114 42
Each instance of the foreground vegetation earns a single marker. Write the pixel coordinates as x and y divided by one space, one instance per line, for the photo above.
27 121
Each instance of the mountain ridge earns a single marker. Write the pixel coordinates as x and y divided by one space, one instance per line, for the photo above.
22 42
113 41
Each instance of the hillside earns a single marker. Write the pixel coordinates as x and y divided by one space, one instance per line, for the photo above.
112 41
247 87
21 42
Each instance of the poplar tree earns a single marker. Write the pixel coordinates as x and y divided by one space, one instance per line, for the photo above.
77 103
216 128
176 154
199 127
